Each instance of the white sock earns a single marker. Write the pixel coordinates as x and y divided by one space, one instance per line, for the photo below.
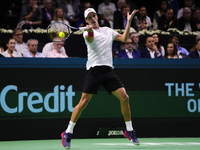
70 127
129 126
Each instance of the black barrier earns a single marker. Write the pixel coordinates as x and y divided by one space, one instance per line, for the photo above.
49 89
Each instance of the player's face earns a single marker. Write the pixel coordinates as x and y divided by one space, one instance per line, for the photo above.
18 36
92 19
170 48
11 45
33 46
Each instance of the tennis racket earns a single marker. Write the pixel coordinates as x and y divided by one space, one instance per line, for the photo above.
61 30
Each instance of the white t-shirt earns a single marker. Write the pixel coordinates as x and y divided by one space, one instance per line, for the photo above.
22 48
49 47
100 50
107 11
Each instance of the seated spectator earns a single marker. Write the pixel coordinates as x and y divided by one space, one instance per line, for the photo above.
70 10
117 13
196 53
32 45
132 4
163 5
106 11
11 52
180 50
135 38
120 3
196 16
174 4
57 52
20 46
47 13
186 22
1 48
151 50
168 20
187 3
59 17
31 15
157 43
194 47
81 19
129 52
172 51
49 47
143 22
120 20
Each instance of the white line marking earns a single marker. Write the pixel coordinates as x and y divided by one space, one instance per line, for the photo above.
149 144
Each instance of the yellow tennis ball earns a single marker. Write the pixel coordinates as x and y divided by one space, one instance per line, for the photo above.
61 34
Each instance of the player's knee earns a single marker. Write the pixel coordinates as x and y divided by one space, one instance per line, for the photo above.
125 98
84 102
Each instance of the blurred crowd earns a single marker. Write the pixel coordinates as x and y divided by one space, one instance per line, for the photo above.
40 13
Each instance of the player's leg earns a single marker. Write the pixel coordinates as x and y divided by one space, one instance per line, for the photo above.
66 135
124 102
126 112
85 98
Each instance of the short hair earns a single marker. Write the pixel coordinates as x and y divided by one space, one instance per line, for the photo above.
44 1
29 41
186 8
197 41
125 6
15 30
132 33
120 1
197 37
149 36
57 39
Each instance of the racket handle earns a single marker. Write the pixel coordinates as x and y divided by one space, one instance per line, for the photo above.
82 28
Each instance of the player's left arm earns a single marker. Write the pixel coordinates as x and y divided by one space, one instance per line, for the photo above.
124 37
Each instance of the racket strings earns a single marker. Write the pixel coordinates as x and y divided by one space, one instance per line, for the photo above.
55 28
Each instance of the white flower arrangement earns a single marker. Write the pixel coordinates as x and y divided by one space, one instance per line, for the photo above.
143 32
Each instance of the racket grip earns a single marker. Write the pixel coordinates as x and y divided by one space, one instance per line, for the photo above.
82 28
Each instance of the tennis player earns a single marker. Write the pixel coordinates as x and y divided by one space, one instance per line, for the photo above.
100 72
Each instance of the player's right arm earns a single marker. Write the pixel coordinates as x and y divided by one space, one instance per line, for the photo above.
90 36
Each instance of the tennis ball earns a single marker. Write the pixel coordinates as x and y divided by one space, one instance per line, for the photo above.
61 34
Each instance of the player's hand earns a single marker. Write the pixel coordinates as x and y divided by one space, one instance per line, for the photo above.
130 16
89 28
